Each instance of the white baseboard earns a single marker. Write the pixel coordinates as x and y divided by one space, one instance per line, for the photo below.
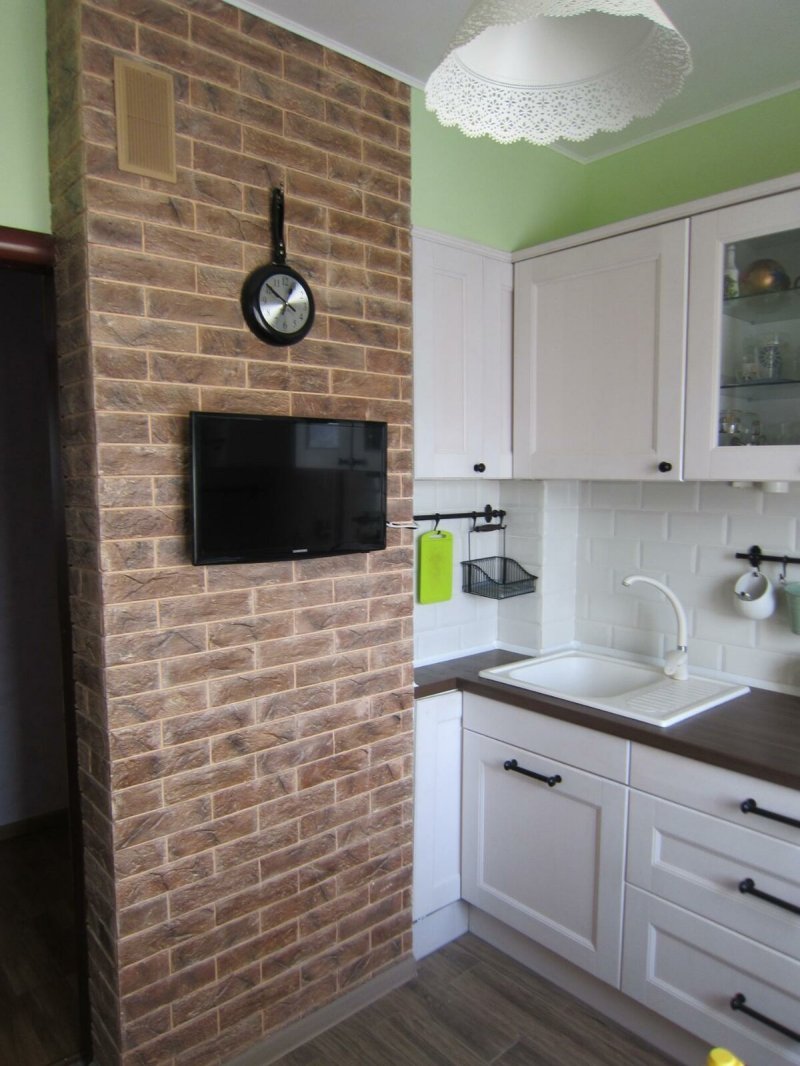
305 1029
435 930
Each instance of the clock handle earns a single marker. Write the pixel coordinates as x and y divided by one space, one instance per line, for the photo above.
278 246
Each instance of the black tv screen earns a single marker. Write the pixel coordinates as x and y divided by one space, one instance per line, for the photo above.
269 487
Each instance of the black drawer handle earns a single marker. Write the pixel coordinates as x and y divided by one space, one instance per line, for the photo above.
749 806
748 887
512 764
738 1003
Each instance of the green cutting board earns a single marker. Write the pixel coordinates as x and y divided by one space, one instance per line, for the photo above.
434 566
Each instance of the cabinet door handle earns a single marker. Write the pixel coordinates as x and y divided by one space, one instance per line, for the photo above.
748 887
512 764
749 806
739 1003
479 468
664 466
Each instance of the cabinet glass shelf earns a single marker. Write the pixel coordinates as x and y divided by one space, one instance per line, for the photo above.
763 390
764 307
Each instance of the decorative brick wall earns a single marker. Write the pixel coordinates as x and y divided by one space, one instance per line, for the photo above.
244 732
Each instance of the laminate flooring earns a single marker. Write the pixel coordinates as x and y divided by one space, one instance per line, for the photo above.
38 964
470 1005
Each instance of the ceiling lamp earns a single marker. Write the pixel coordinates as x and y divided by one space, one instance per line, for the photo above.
548 70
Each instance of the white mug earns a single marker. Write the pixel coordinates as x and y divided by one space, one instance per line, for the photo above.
754 595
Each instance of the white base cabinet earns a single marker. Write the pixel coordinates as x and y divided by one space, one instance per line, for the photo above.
437 813
712 908
562 825
545 858
689 969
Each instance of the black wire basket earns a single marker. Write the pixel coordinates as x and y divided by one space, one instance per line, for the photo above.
496 578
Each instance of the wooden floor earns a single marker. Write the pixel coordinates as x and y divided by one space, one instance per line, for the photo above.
470 1006
38 986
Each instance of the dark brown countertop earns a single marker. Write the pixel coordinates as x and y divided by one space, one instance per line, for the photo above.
756 734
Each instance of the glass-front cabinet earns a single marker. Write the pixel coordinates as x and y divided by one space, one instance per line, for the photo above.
743 373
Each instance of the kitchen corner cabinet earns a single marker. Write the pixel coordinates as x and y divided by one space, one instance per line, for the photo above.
599 357
437 803
462 299
743 378
545 858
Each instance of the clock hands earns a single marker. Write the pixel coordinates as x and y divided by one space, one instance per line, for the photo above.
275 293
287 301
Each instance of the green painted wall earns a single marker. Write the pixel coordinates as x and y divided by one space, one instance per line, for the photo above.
24 181
514 196
753 144
505 196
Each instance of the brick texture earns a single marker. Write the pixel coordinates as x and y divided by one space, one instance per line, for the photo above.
244 732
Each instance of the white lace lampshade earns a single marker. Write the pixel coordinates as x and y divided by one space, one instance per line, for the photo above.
548 70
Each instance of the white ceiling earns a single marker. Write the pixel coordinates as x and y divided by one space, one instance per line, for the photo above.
743 51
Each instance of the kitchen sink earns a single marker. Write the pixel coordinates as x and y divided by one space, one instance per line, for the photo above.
619 686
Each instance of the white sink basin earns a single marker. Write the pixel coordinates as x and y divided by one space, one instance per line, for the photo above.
634 690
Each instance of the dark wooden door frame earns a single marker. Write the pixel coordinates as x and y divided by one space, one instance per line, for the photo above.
27 250
21 247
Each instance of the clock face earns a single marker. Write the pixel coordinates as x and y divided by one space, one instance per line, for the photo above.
278 305
283 303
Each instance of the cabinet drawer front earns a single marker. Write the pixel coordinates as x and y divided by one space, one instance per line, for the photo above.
596 752
699 862
715 790
689 969
548 861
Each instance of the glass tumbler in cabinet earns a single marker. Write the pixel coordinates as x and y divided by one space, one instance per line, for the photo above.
743 375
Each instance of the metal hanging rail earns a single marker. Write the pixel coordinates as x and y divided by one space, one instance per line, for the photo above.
756 557
487 514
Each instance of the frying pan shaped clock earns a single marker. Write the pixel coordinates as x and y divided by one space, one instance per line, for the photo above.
277 302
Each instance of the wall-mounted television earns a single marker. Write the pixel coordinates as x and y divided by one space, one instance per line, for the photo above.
269 487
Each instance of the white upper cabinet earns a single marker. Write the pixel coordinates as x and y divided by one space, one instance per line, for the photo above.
599 358
743 384
462 298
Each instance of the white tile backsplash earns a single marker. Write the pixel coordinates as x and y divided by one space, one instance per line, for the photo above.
696 528
669 556
640 525
670 495
582 538
720 496
771 531
611 495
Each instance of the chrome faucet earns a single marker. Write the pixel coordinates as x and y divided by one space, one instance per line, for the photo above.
676 662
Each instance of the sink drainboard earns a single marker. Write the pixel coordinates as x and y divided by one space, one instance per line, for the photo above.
667 695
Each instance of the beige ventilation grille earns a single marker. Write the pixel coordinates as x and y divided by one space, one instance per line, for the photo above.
145 120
